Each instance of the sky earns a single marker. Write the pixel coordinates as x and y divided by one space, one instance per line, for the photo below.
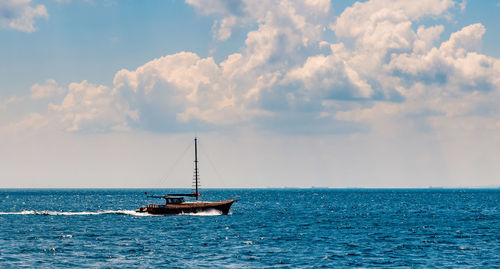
282 93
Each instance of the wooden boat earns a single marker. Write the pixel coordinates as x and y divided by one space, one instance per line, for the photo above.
176 204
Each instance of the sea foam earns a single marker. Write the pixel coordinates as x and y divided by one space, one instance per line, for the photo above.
70 213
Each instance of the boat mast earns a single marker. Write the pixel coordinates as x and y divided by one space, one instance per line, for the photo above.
196 166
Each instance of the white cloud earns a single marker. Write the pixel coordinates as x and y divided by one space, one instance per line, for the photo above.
46 90
364 19
182 84
383 68
20 14
330 76
225 27
447 82
232 91
463 5
455 64
32 122
426 38
187 86
92 107
466 40
301 15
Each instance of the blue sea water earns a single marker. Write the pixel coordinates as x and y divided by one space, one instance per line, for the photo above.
303 228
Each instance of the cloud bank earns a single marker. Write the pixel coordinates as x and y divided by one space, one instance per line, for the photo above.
385 69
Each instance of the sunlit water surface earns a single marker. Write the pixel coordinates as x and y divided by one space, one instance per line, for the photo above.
266 228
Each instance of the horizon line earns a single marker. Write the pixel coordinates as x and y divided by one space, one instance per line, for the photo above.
257 188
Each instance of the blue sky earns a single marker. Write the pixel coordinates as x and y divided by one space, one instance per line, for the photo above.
380 93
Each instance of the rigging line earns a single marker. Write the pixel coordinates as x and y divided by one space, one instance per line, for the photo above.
212 165
164 179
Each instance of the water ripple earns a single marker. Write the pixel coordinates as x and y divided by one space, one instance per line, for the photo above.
267 228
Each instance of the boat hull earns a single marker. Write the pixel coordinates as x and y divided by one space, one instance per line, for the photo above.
187 207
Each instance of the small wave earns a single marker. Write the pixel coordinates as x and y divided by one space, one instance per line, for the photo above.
66 236
83 213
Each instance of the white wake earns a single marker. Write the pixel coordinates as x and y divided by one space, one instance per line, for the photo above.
105 212
213 212
70 213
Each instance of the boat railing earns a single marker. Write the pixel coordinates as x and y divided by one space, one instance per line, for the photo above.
155 206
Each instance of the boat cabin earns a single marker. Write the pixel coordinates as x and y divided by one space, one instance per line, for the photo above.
174 200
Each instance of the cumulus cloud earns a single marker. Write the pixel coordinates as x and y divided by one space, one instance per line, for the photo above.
365 20
384 69
455 64
331 77
20 14
304 16
466 40
447 86
46 90
92 107
242 86
181 84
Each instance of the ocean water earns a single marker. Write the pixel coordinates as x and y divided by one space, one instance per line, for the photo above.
282 228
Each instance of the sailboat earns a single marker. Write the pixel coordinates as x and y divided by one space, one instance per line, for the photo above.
176 204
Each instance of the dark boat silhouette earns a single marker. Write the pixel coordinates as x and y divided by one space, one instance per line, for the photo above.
176 204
